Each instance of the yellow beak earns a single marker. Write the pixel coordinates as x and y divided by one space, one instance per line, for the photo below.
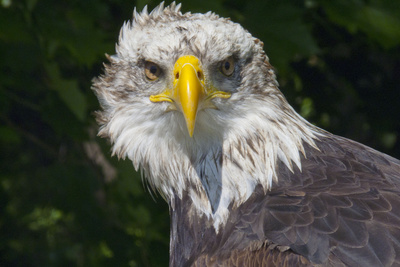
189 88
189 94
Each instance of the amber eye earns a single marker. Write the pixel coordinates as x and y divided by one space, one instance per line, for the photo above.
152 70
228 66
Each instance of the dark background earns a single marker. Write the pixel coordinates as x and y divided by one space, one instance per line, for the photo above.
65 202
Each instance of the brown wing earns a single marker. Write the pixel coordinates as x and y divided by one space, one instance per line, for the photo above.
342 209
263 256
344 206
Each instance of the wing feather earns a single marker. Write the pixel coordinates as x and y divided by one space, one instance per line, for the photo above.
341 209
353 197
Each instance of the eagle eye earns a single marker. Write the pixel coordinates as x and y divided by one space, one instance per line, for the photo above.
152 70
228 66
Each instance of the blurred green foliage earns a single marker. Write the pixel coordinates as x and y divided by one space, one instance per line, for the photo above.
65 202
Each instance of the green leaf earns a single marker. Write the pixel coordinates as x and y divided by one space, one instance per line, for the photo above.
6 3
379 20
9 135
69 92
280 25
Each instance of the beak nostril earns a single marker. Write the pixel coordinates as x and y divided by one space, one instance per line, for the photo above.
199 75
177 75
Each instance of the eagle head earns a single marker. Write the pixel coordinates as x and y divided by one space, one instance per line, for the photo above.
192 100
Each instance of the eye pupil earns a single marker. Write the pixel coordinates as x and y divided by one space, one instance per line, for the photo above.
153 69
227 65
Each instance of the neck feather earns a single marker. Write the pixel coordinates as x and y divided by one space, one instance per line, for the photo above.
219 166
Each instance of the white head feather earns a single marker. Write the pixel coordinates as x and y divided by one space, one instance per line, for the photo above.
234 147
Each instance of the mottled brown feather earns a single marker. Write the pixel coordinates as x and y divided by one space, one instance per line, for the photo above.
324 225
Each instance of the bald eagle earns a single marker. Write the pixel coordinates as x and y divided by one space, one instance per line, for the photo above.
193 102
